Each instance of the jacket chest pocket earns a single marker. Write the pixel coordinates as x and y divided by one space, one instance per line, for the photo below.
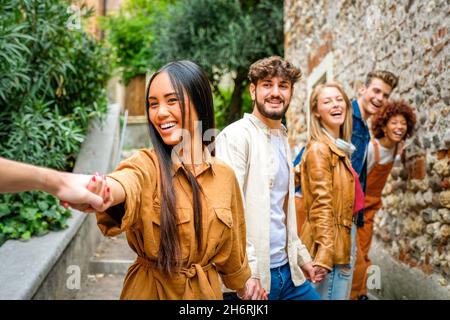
336 174
224 216
220 226
360 133
359 140
184 228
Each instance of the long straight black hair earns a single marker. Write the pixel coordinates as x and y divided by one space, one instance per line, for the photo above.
185 76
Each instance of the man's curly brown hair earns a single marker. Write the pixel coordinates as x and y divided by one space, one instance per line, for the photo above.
271 67
394 108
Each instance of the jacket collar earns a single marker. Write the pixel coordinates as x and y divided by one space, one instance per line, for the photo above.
356 110
336 150
325 139
207 163
263 126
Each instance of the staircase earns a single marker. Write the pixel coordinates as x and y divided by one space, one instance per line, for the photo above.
107 269
109 265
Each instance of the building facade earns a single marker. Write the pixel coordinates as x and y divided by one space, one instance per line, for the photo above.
342 41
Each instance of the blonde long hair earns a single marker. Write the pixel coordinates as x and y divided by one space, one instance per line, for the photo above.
316 132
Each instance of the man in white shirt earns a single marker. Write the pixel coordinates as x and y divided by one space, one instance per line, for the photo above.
256 147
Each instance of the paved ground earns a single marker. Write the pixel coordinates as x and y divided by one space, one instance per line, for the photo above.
102 287
114 248
108 267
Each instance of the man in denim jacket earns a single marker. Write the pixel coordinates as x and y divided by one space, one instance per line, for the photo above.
373 96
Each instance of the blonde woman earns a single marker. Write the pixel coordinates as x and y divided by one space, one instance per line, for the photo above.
331 190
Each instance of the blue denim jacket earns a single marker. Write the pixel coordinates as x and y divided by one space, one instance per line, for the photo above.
360 139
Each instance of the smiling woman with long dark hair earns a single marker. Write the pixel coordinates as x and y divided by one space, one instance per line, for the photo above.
181 208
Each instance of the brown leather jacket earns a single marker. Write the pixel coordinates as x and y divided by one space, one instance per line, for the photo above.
328 189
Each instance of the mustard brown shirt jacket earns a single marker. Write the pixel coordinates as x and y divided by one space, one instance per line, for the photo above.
223 251
245 145
329 193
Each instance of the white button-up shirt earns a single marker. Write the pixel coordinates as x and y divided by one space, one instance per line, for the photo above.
245 146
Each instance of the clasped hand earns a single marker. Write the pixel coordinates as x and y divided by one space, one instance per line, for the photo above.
96 185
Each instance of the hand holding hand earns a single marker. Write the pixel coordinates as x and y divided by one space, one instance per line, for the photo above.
309 271
320 272
95 186
71 189
252 291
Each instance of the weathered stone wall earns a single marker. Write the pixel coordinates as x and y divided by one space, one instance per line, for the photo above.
411 39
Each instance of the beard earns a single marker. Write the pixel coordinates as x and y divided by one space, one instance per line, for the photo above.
273 115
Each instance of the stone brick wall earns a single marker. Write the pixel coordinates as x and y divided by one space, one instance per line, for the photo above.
410 38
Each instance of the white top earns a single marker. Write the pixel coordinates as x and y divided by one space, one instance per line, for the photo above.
245 146
386 155
278 254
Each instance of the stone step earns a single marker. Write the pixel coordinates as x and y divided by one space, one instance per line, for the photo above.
101 287
372 296
112 266
114 248
107 269
113 256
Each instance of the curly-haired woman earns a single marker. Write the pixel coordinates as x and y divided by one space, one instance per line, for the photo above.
390 128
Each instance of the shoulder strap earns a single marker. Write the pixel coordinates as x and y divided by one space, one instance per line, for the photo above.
297 174
395 151
377 150
298 158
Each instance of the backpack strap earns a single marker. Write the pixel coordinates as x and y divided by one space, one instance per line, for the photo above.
296 166
298 158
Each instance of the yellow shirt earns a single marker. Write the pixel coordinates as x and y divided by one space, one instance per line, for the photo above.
223 251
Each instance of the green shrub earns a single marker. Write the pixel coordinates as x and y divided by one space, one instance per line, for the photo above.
223 36
222 102
131 35
53 82
30 213
42 136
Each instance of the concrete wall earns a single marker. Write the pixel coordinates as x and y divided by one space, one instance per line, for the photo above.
136 134
98 154
398 281
60 282
41 267
344 40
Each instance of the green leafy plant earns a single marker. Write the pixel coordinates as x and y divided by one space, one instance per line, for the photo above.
42 136
222 102
131 35
224 37
52 84
30 213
